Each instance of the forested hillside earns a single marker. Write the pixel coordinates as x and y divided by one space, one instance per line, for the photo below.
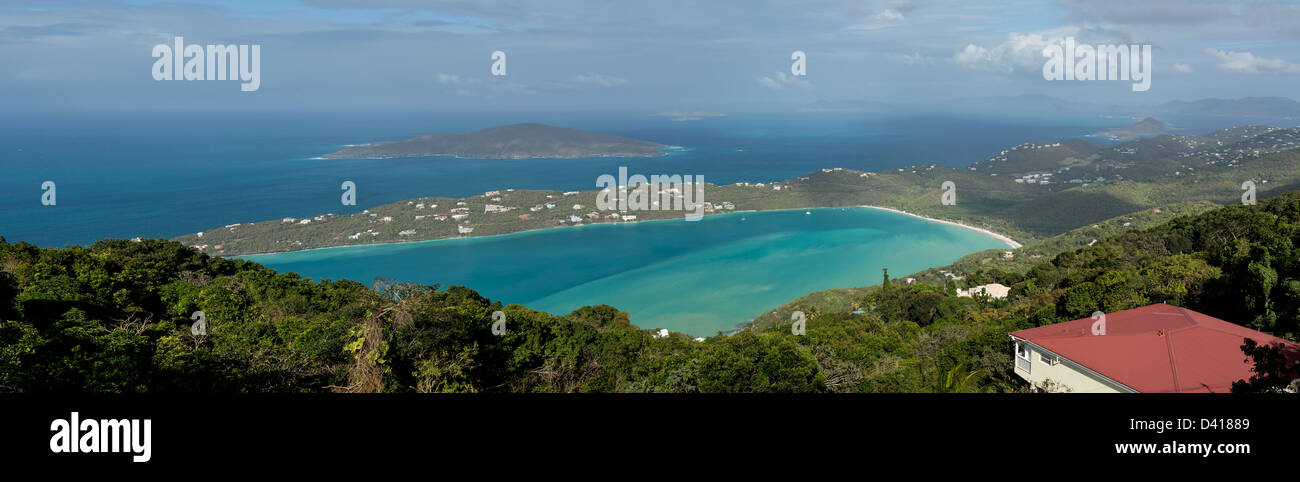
116 317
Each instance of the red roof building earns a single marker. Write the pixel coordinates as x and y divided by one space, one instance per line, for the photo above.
1155 348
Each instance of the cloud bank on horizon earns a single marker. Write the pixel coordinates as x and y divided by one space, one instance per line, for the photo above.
718 55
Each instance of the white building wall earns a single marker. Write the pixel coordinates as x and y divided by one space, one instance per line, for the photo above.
1061 376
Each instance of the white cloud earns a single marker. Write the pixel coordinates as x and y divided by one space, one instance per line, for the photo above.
888 15
1248 63
780 80
1182 68
599 79
1018 51
973 55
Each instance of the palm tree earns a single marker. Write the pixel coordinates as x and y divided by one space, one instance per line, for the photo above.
961 381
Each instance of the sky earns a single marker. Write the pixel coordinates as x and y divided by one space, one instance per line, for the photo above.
716 55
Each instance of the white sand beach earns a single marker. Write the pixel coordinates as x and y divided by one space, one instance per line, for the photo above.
1001 237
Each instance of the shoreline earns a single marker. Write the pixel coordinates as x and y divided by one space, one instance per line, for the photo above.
534 230
1000 237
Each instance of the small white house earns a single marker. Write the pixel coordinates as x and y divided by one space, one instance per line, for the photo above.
994 290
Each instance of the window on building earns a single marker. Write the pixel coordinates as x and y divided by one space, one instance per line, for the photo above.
1022 351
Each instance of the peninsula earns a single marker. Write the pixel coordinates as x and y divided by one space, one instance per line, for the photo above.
1030 192
516 141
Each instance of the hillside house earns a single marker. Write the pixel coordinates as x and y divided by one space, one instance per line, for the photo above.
1153 349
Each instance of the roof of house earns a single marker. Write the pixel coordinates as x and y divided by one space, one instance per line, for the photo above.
1157 348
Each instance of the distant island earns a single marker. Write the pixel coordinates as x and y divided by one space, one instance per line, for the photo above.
517 141
1145 127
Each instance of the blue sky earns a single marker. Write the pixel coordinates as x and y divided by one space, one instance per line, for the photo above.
717 55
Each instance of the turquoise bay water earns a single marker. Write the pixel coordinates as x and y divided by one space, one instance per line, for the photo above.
693 277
